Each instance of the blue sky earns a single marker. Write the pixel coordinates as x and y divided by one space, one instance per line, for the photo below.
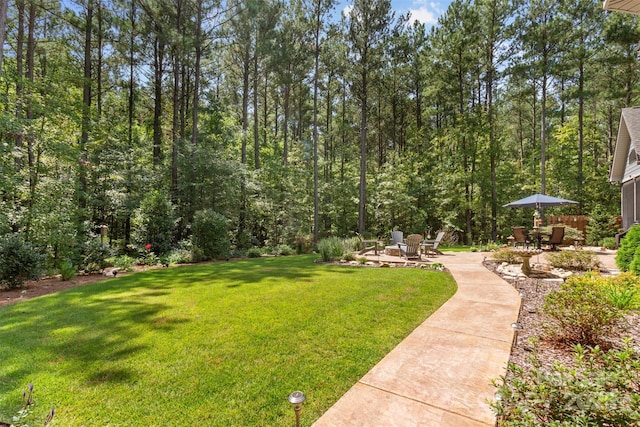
425 11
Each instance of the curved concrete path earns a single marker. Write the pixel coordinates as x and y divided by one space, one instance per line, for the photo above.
440 374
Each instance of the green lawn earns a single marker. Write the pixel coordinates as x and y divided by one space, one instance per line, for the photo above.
209 345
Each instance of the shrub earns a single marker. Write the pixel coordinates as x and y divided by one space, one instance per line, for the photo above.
574 260
362 260
209 233
506 255
19 261
331 248
600 390
67 270
623 290
349 256
580 312
304 244
627 249
608 243
283 250
635 262
154 222
254 252
601 225
94 255
178 256
124 262
148 257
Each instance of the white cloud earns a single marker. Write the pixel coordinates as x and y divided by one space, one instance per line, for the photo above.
347 10
424 15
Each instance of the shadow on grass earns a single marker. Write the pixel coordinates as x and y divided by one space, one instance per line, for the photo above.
80 329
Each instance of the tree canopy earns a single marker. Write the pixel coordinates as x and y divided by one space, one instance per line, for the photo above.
290 119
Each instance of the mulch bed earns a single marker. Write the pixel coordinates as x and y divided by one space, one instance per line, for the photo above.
531 318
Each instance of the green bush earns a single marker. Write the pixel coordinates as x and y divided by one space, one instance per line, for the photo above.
67 270
304 244
506 255
209 233
601 225
178 256
154 222
124 262
283 250
331 248
623 290
574 260
599 389
254 252
19 261
94 255
627 249
349 256
608 243
581 312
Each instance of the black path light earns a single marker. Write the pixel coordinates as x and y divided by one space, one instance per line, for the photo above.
296 399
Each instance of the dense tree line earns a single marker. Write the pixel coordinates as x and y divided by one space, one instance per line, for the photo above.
291 119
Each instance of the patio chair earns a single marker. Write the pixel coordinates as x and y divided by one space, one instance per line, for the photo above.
363 244
431 246
521 237
397 237
411 249
557 235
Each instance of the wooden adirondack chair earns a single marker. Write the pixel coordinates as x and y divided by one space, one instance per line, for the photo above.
411 249
397 237
431 246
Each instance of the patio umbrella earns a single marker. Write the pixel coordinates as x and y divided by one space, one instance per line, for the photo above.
539 201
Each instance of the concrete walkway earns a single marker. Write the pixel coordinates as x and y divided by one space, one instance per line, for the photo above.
440 374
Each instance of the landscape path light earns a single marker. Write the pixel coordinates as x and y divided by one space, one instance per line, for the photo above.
296 399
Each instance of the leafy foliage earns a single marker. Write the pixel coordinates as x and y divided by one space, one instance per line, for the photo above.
599 389
94 254
580 312
209 230
155 222
506 255
574 260
331 248
19 261
601 225
628 247
67 270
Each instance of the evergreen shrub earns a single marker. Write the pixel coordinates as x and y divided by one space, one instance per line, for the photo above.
154 222
601 225
19 261
628 247
608 243
209 234
254 252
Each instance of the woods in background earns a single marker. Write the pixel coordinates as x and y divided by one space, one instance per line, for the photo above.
289 120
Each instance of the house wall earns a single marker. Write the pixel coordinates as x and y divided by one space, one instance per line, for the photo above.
630 203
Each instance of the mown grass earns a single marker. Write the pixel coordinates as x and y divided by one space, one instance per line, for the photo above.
218 344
